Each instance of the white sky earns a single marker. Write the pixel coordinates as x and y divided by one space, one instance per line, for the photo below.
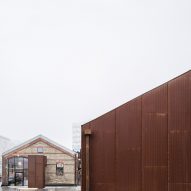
67 61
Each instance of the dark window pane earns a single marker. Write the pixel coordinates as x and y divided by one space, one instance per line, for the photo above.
59 169
11 163
11 181
19 179
11 171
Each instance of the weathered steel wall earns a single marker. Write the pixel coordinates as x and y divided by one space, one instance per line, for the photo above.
103 157
128 146
36 169
145 144
179 124
32 171
155 139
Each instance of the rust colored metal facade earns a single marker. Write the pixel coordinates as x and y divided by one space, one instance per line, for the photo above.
36 168
143 145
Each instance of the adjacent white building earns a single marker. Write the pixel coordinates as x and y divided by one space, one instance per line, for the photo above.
76 137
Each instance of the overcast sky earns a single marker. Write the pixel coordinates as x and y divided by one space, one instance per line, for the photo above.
69 61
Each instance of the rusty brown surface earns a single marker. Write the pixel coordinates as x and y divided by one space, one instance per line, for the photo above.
155 139
102 159
40 172
155 179
83 155
36 167
31 171
180 130
128 146
145 144
87 134
180 187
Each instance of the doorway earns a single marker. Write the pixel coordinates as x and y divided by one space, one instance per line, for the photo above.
19 179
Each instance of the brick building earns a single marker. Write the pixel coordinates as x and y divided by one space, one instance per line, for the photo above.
40 159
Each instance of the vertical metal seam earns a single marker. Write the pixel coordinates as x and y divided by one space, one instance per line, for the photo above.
142 143
115 149
87 138
81 156
87 163
168 136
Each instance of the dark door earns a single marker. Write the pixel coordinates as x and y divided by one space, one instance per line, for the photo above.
36 165
19 179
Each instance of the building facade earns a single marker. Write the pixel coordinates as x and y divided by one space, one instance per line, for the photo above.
59 163
143 145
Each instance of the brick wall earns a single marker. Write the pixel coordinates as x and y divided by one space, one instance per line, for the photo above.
53 156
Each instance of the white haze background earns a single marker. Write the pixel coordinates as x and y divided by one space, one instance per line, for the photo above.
64 62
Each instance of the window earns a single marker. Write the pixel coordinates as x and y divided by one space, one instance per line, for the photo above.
18 163
40 150
18 171
25 163
59 169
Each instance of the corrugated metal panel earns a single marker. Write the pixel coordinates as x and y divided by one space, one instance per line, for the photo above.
154 127
32 171
155 179
180 187
36 167
144 145
40 172
179 157
102 153
155 139
128 142
83 155
180 130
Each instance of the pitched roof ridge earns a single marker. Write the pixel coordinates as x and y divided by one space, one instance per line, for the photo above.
40 136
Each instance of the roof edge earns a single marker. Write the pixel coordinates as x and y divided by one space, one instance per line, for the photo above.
86 123
35 138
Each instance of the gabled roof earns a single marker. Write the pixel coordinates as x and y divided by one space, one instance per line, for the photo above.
34 140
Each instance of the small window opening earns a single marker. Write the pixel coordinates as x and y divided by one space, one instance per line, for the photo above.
59 169
40 150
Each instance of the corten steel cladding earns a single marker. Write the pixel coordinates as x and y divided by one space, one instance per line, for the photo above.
31 171
36 166
143 145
